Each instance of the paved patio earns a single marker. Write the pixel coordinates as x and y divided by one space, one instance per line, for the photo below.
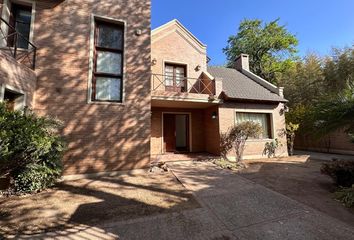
231 207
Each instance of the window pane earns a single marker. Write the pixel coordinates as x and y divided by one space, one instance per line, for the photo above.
180 76
261 118
169 76
110 37
24 30
108 88
23 16
109 62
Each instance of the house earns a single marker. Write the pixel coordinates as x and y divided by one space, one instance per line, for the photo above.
192 103
127 95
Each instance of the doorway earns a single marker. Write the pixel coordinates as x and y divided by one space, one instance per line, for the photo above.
176 132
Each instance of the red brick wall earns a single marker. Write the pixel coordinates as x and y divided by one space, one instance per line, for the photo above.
198 133
254 148
101 137
336 142
17 76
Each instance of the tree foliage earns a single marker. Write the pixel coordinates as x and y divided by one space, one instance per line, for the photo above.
270 46
30 149
320 91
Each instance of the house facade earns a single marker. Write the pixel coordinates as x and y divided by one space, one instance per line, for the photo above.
126 95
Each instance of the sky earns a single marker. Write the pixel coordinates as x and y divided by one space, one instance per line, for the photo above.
319 25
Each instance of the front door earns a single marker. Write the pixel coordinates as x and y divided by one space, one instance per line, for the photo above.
176 132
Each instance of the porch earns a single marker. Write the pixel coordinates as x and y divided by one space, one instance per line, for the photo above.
184 133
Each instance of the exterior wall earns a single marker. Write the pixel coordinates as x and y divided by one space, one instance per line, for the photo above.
197 129
100 136
211 130
254 148
174 45
16 76
336 142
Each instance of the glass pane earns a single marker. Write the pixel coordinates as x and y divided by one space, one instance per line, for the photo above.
108 88
23 16
109 62
261 118
24 30
169 76
180 76
110 37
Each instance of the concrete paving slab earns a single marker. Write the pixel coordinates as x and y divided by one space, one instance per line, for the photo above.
297 227
252 211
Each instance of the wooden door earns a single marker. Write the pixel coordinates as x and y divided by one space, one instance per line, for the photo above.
169 137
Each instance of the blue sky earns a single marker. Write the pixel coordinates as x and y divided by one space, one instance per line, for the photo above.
319 25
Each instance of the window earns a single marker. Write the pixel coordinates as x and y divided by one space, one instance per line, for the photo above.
262 118
108 62
20 19
175 76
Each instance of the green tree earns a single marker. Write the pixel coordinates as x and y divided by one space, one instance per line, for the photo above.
270 46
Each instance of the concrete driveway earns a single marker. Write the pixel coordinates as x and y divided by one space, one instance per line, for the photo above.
231 207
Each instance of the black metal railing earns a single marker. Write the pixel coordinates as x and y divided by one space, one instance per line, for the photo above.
182 84
17 45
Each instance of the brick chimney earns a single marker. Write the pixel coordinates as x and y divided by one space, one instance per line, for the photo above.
242 62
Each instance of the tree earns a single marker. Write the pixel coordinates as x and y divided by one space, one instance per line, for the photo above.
331 114
237 136
270 46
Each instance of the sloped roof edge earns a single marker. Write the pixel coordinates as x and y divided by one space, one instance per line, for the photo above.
178 23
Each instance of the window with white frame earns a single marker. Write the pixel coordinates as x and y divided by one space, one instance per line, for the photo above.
264 119
20 15
107 81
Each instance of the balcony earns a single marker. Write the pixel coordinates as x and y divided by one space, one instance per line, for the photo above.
170 90
15 44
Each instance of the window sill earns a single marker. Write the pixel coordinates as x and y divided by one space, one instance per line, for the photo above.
106 103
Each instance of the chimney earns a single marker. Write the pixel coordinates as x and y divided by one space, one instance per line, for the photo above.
242 62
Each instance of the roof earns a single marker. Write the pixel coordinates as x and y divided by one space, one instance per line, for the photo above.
183 28
236 85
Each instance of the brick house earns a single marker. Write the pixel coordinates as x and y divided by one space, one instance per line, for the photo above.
124 93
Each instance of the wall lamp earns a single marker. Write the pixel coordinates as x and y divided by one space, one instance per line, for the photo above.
214 115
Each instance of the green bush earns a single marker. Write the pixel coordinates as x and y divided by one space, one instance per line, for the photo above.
30 150
346 196
342 172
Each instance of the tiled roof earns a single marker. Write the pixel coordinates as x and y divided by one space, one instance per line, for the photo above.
239 86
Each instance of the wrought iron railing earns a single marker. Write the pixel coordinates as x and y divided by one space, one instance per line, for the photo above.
9 41
160 82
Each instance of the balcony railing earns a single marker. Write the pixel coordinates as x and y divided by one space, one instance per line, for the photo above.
17 45
181 84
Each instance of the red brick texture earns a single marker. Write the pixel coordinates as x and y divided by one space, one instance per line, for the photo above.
17 76
101 137
336 142
201 139
254 148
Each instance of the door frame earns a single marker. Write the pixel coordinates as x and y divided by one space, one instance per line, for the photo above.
189 130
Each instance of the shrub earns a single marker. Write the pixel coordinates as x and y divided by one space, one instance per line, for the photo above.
342 172
271 147
30 150
346 196
237 136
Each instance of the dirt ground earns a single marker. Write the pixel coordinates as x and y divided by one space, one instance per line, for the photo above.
299 179
92 202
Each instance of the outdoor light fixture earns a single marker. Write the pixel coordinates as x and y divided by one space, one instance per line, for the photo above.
154 61
198 67
214 115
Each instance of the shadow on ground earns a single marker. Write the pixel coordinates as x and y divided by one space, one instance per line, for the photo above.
90 203
301 181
